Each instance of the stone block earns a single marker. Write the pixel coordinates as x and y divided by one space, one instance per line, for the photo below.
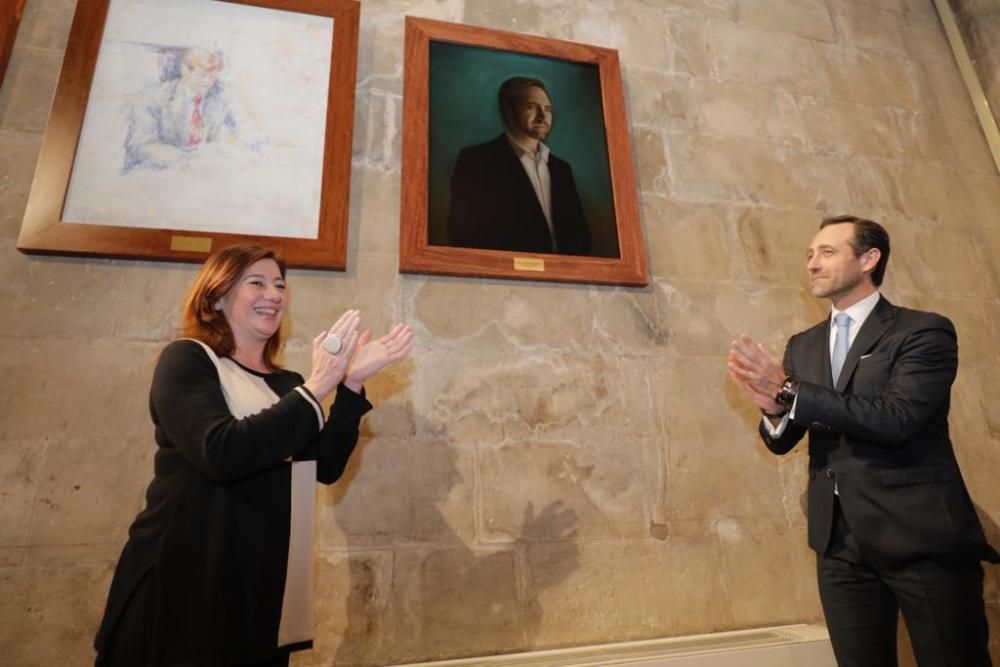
63 297
982 197
378 131
975 429
971 152
659 100
691 49
925 37
550 394
807 18
90 489
17 166
652 169
721 9
715 464
773 243
690 241
760 57
712 315
28 87
943 91
630 589
919 8
517 16
708 169
876 188
49 614
928 250
850 129
949 141
639 33
433 302
632 323
638 419
522 313
15 276
870 77
21 463
888 5
839 179
870 28
928 193
374 228
457 601
745 111
93 389
561 491
12 556
45 24
772 575
991 249
924 136
401 491
353 610
150 308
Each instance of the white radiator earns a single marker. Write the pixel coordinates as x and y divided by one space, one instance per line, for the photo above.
785 646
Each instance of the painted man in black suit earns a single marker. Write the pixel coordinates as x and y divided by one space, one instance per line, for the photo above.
511 193
890 518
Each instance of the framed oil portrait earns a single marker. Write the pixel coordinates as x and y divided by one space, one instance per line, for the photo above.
516 159
182 126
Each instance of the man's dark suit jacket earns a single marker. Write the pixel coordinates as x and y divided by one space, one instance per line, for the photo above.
882 434
493 205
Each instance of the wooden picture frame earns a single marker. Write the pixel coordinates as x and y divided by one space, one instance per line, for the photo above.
10 17
439 57
44 229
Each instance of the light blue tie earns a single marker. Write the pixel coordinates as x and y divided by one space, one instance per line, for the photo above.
840 344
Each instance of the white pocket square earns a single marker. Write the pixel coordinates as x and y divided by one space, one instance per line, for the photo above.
865 356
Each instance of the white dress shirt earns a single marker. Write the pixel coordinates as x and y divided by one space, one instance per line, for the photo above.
858 313
536 166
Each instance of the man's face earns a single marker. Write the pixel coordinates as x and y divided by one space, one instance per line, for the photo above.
200 72
835 271
533 114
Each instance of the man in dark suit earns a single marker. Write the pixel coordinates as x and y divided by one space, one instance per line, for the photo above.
890 518
511 193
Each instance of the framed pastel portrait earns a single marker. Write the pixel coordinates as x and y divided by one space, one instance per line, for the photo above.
516 159
181 126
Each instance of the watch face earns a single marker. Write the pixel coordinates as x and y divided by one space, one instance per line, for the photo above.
787 393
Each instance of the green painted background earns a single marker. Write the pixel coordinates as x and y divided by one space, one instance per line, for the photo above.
463 86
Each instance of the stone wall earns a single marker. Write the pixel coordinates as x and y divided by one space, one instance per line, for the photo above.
979 23
555 465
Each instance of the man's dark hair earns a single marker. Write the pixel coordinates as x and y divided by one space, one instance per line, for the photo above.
512 91
868 234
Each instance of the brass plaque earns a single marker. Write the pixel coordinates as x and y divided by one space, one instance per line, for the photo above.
191 243
529 264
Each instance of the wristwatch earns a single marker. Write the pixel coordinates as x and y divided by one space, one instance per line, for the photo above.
789 390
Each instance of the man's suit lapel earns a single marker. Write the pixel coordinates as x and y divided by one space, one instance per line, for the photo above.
871 331
817 341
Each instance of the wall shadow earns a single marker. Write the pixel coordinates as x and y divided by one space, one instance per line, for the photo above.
427 580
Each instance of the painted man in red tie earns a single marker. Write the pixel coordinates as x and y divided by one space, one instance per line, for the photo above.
187 109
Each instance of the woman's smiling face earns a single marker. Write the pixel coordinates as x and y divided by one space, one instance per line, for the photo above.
256 304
